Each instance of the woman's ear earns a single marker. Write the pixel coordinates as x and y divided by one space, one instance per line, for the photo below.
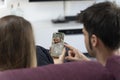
94 40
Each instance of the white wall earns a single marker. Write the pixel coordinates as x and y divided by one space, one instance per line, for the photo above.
40 15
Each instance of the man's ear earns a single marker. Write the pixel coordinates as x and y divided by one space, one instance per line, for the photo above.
94 40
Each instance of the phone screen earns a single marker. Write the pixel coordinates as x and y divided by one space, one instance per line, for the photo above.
57 44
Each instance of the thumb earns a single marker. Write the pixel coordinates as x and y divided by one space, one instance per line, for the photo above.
69 58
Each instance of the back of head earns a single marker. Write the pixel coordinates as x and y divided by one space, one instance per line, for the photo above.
16 42
103 20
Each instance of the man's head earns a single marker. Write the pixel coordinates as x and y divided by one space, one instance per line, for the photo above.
102 20
57 40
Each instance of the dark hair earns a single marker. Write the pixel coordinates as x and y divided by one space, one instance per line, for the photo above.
103 20
16 43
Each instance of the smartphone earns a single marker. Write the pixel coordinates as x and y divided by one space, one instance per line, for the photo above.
57 44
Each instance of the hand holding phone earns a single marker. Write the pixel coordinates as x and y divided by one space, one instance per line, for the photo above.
57 44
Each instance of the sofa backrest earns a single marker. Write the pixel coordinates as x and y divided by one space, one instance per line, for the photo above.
68 71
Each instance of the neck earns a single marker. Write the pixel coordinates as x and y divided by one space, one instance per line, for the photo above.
103 54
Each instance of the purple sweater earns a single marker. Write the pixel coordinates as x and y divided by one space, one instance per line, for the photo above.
113 65
68 71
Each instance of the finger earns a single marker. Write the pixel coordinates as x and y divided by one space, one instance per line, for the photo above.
69 53
69 58
68 46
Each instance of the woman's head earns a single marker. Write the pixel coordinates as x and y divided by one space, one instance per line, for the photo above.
16 42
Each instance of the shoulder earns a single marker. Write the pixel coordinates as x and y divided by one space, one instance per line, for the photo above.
113 65
43 56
